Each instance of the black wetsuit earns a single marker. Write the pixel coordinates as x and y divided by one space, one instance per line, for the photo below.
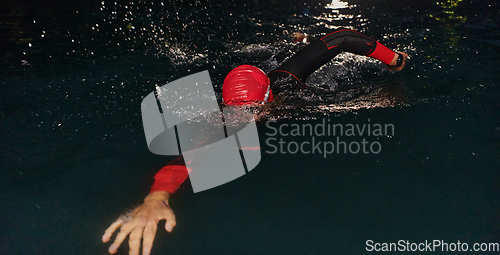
295 70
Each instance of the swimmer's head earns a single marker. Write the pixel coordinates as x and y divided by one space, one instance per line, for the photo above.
246 84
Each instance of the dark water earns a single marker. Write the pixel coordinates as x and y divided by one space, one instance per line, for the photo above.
74 157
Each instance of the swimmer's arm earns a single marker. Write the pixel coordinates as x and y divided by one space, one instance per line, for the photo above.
141 223
305 38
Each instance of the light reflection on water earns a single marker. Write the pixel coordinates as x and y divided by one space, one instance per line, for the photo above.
335 14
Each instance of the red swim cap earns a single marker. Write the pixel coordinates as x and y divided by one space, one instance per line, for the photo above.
246 84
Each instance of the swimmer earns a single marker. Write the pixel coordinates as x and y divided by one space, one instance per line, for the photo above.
244 86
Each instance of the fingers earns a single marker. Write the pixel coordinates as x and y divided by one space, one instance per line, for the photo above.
135 229
110 230
400 67
140 225
126 229
134 241
404 54
149 236
170 217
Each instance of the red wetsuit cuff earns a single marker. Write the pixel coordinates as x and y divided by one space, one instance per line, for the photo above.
169 178
383 54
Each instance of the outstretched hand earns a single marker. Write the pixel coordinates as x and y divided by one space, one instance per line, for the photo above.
142 224
392 66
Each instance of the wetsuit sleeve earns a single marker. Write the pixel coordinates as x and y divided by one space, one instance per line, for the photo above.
323 50
170 177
